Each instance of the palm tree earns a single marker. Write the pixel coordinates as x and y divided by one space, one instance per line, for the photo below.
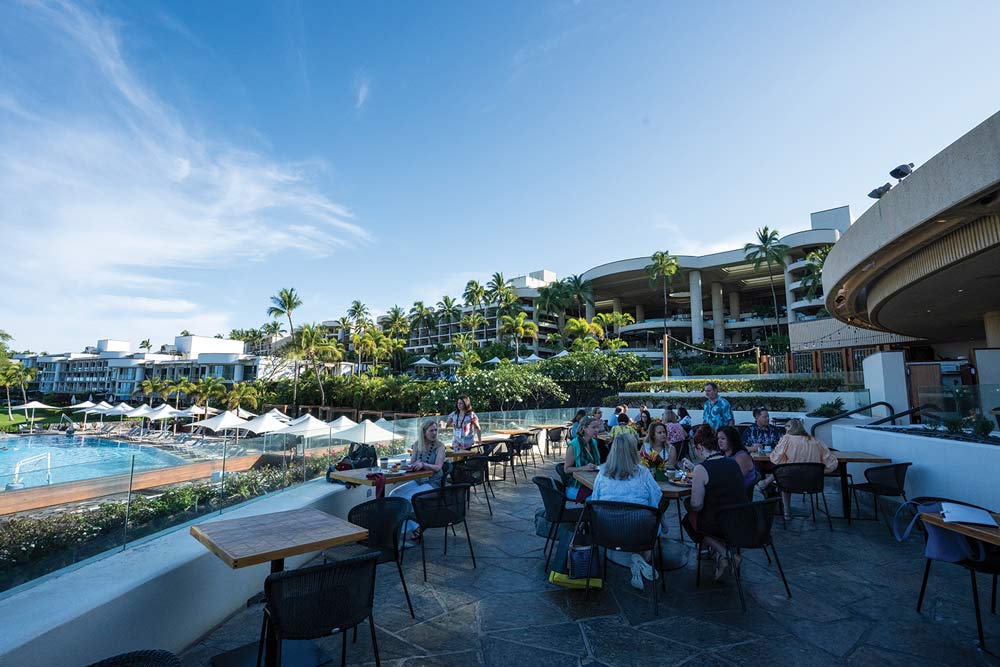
207 388
812 280
152 387
242 393
423 316
145 345
579 329
396 323
663 268
23 377
317 350
613 321
770 251
282 304
185 332
474 296
180 386
554 299
448 311
580 291
358 312
473 321
518 326
496 289
8 378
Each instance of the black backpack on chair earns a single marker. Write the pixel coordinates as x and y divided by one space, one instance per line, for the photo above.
359 456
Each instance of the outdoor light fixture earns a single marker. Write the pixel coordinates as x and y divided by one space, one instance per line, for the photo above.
880 192
902 171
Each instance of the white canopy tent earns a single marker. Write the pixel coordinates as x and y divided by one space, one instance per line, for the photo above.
223 422
82 406
494 360
342 423
307 426
278 414
34 405
164 411
141 411
564 353
97 409
451 363
265 423
424 362
300 419
534 358
384 423
367 433
245 414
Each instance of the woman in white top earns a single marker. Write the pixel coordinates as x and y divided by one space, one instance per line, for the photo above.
623 479
428 454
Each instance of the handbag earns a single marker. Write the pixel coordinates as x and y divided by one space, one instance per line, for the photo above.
942 544
580 561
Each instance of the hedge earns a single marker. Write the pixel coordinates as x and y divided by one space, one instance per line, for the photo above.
738 401
740 385
508 387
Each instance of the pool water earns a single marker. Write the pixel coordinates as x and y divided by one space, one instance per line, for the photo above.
74 458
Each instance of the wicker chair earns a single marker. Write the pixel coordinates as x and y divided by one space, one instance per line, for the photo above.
629 528
442 508
805 478
554 439
474 471
748 526
385 519
503 453
313 602
887 481
149 658
556 513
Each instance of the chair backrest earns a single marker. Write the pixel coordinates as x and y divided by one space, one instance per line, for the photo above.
446 469
799 477
150 658
522 442
561 471
554 435
499 451
890 479
748 525
383 517
470 470
311 602
623 526
442 507
552 498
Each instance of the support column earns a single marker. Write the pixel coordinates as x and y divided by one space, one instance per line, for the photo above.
789 296
991 321
718 315
590 312
616 306
697 316
734 305
640 313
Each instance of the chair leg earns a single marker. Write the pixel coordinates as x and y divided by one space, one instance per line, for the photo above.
406 591
857 505
923 585
739 581
469 540
656 599
680 521
354 639
546 551
768 556
781 571
993 602
697 553
423 558
812 504
875 500
260 642
488 506
826 509
659 555
343 648
975 602
371 624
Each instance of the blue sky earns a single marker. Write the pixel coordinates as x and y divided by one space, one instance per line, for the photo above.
171 165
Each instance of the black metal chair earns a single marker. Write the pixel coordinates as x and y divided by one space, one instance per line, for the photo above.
805 478
385 519
887 481
474 471
561 471
556 513
505 459
748 526
628 528
523 445
442 508
989 566
149 658
554 439
313 602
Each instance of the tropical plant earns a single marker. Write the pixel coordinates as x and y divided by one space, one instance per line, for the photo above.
615 344
283 304
589 376
358 313
554 299
207 388
812 278
152 387
578 328
145 345
474 296
770 251
23 377
448 312
180 386
272 329
474 321
317 351
422 316
496 292
613 320
242 393
8 379
581 292
185 332
663 268
518 326
396 324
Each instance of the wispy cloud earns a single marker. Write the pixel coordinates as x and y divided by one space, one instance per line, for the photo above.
106 192
362 89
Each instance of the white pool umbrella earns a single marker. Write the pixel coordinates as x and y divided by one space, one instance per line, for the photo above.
494 360
384 423
342 423
163 412
279 415
141 411
424 362
367 433
305 426
119 410
451 363
34 405
222 422
266 423
564 353
80 407
244 414
532 359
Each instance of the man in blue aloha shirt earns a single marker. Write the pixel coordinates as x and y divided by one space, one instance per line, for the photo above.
717 411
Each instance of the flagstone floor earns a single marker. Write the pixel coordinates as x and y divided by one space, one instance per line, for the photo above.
853 602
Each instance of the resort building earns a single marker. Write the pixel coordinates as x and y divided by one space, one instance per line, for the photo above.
110 369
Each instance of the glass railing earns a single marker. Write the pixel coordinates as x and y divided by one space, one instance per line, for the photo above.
958 408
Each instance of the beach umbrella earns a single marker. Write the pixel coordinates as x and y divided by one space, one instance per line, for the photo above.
424 362
451 363
162 412
342 423
534 358
81 406
384 423
278 414
305 426
34 405
265 423
244 414
564 353
367 433
141 411
301 418
494 360
223 422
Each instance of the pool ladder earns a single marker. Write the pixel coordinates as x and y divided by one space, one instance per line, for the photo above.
17 483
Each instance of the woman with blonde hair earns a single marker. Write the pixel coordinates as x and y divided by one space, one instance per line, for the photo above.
623 479
657 449
797 446
428 454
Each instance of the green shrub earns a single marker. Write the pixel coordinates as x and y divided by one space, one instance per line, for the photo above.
829 409
507 387
659 400
981 427
740 385
588 376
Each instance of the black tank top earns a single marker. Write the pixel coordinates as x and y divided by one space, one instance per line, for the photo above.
725 484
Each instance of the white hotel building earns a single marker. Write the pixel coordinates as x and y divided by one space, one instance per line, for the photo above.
112 370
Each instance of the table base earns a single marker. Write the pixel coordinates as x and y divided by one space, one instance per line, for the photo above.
293 654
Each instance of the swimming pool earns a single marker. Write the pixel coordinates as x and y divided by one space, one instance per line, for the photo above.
74 458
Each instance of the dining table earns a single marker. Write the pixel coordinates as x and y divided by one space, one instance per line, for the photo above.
843 458
271 538
671 492
359 477
985 534
514 431
547 428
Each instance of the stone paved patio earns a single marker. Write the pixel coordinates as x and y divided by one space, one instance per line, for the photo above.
853 603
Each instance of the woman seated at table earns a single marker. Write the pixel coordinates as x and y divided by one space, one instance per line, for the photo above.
716 482
797 446
676 435
599 416
657 450
623 479
575 424
762 433
428 454
643 423
732 446
683 418
582 455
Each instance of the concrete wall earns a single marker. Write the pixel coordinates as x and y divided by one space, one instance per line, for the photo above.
885 379
813 399
165 593
948 469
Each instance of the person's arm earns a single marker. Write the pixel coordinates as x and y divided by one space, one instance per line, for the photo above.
778 455
479 431
729 411
451 421
569 463
830 461
671 456
699 480
652 488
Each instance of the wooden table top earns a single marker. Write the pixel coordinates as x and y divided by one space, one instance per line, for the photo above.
266 537
513 431
461 454
987 534
842 457
360 477
669 490
546 427
490 439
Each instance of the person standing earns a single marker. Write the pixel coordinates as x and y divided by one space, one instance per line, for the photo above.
717 411
466 425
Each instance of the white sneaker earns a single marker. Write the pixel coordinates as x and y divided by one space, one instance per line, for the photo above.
636 576
644 568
